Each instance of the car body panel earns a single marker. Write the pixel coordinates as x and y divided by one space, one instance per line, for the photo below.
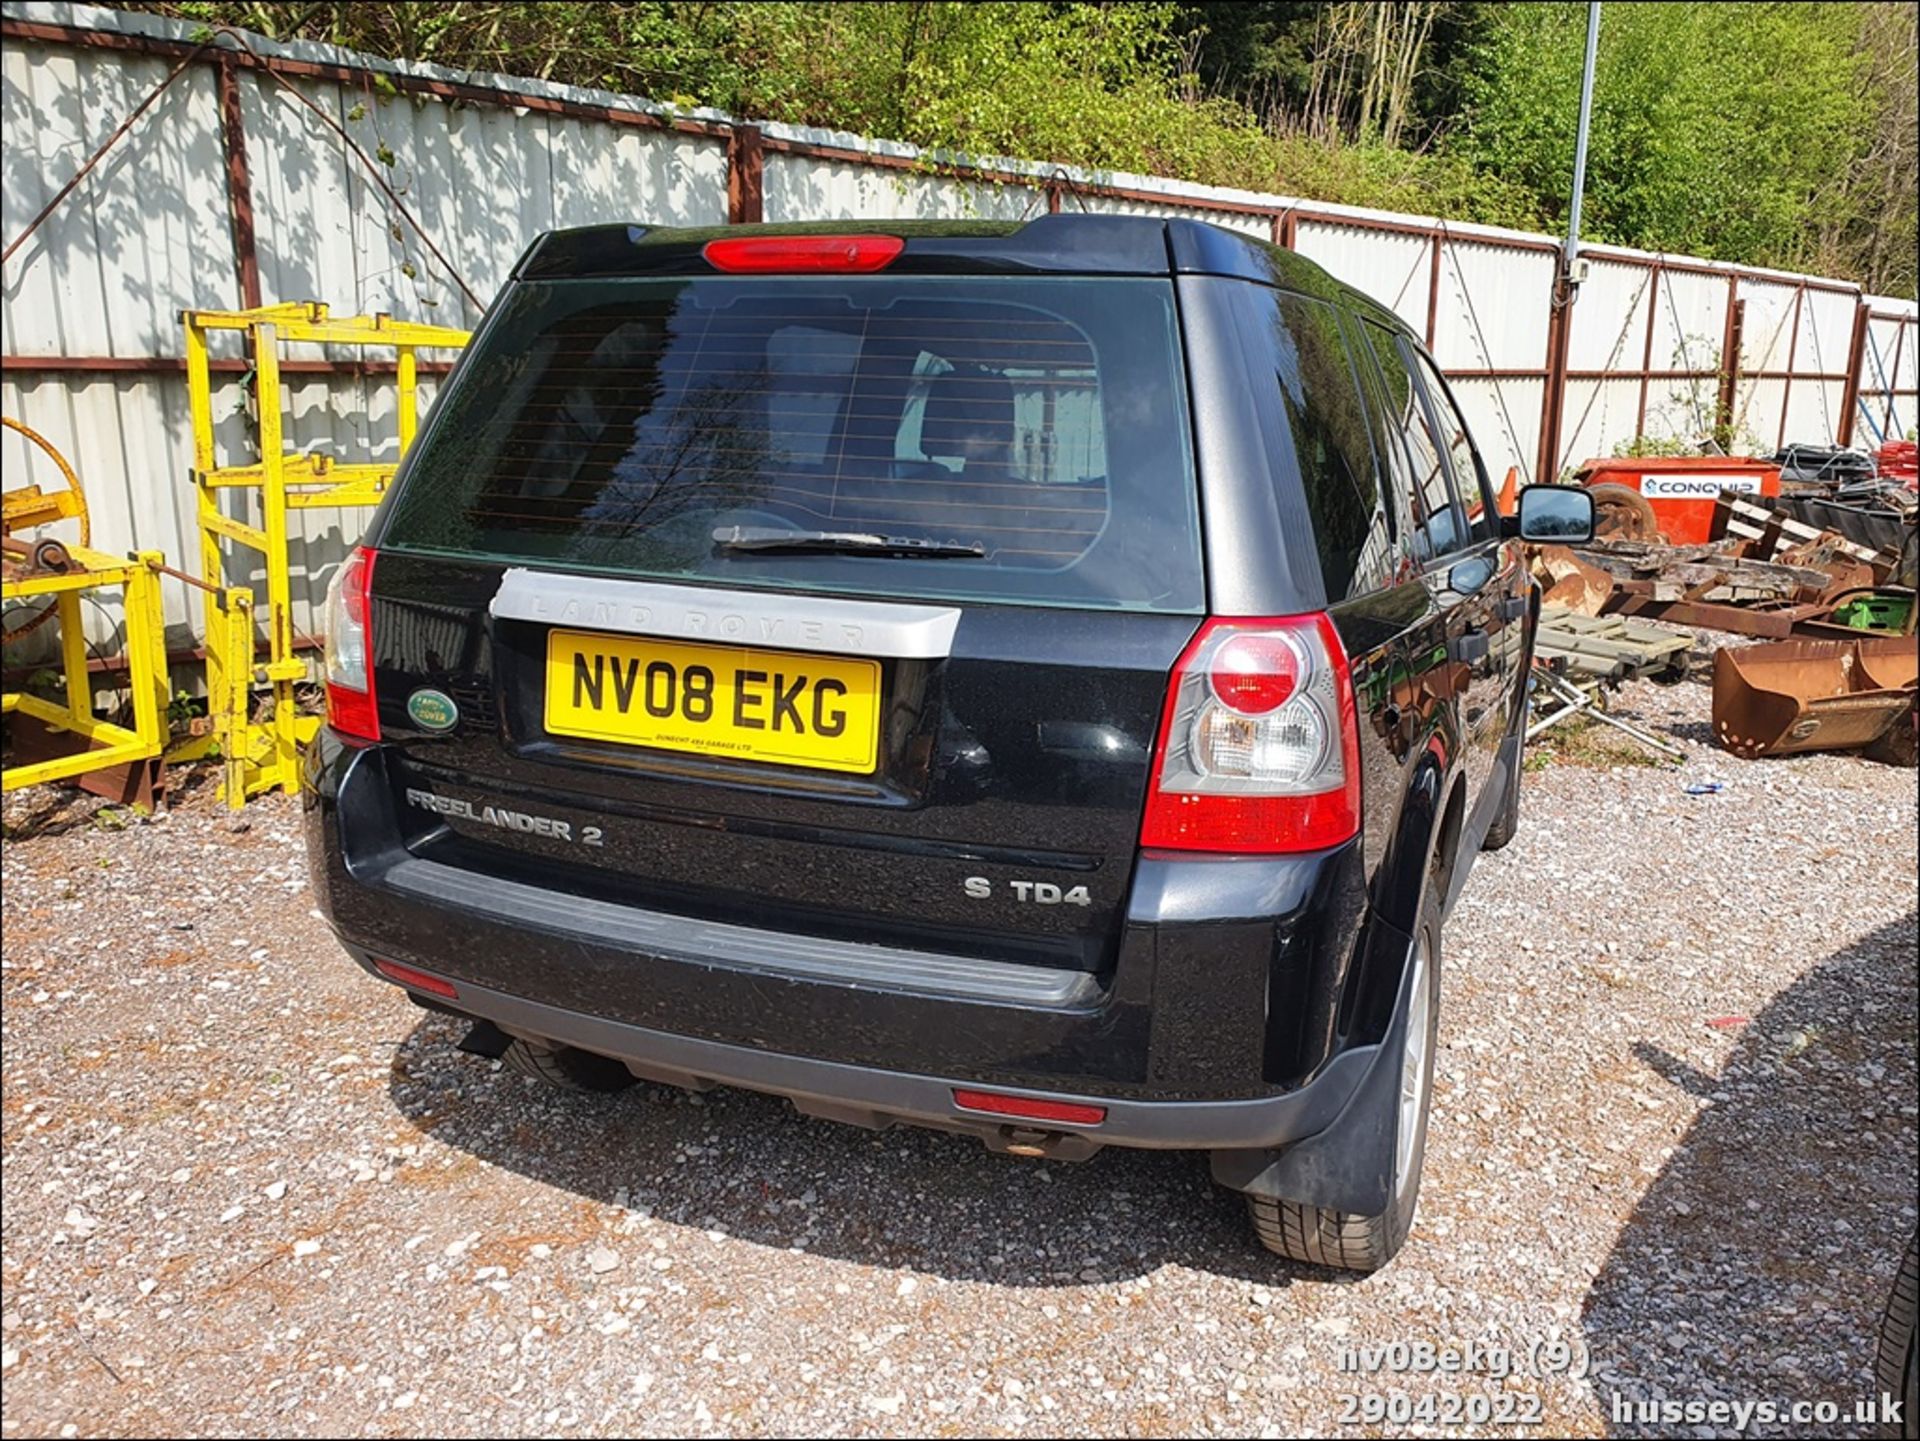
784 928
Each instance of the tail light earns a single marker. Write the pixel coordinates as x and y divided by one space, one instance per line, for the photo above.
351 708
803 254
1259 750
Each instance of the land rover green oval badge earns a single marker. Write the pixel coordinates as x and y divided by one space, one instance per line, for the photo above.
433 710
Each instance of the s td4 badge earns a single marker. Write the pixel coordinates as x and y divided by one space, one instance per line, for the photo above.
1040 893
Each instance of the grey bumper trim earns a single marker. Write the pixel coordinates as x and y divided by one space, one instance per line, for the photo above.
682 938
885 1096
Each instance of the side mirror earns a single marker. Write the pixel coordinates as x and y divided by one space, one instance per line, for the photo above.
1553 514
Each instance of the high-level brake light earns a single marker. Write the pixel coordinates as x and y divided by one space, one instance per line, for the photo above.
803 254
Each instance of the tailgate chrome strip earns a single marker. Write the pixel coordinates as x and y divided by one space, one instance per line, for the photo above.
769 619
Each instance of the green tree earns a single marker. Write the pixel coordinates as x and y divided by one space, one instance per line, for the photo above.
1308 66
1715 126
1865 218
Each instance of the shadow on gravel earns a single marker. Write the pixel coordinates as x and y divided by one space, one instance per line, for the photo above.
1795 1188
50 811
750 1165
1699 732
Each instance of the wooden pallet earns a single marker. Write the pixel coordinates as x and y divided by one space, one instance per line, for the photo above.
1769 533
1607 647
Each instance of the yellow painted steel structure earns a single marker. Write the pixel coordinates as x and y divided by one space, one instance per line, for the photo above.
82 569
264 754
146 650
27 506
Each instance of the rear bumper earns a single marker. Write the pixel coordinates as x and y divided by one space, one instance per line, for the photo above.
868 1096
1213 1030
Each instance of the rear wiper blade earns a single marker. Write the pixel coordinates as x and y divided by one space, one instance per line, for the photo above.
841 542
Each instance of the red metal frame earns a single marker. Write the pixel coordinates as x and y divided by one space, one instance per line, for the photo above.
233 135
1731 340
54 34
746 175
1793 351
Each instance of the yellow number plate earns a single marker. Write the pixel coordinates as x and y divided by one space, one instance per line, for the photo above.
780 707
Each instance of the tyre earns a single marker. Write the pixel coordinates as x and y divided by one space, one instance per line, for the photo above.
1320 1237
1894 1367
567 1067
1622 513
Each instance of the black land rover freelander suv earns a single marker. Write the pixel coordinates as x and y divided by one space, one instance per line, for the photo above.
1044 681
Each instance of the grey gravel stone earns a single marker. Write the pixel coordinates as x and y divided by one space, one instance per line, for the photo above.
1696 1206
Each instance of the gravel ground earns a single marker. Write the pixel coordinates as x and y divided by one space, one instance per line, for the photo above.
249 1190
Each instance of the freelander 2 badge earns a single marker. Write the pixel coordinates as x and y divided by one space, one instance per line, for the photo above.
433 710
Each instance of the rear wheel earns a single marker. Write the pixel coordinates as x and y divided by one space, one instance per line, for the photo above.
1895 1368
567 1067
1323 1237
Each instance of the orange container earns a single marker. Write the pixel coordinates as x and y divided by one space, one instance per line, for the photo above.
1683 488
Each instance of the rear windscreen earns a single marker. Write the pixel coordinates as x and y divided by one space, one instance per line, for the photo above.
617 425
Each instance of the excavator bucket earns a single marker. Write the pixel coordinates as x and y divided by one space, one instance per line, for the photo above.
1813 695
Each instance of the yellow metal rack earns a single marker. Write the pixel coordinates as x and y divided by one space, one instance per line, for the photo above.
146 646
67 571
261 755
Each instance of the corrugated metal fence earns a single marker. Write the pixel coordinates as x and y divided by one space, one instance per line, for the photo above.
229 192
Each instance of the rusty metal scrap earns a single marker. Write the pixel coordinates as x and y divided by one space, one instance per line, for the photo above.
1567 581
1768 529
1874 525
1804 695
1636 598
1767 576
1709 573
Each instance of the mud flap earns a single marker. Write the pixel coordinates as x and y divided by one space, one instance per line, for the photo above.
1349 1166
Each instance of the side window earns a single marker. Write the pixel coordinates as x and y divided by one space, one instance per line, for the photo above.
1389 446
1439 520
1467 476
1334 453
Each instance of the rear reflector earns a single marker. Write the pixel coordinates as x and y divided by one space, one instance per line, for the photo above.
1028 1109
416 980
803 254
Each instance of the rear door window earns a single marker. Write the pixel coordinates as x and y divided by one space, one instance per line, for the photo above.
617 425
1439 520
1327 421
1468 476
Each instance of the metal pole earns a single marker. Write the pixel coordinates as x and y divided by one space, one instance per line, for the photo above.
1566 288
1580 138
